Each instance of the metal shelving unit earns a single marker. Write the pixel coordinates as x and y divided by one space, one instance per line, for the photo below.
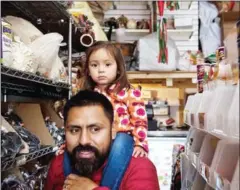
31 77
23 159
14 82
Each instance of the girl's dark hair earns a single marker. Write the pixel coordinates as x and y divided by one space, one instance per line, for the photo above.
121 79
89 98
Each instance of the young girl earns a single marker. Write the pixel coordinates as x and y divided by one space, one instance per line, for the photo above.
105 73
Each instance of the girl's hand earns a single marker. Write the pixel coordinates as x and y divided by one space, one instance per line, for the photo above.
139 152
60 150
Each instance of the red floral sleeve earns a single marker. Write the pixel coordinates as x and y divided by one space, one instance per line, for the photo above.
135 117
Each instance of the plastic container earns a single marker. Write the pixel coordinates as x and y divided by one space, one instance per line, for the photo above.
187 109
207 97
218 107
235 181
222 109
199 183
193 113
195 147
231 120
224 164
208 149
188 173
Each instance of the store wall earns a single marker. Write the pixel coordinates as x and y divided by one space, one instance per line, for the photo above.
140 10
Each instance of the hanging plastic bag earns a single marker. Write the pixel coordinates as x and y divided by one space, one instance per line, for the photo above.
148 54
45 49
210 32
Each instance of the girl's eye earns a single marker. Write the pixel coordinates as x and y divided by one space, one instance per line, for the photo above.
93 65
95 129
108 64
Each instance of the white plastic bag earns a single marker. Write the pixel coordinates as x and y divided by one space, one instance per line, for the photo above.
148 54
22 57
24 29
46 49
210 32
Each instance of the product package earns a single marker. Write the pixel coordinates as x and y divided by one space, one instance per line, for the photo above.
6 43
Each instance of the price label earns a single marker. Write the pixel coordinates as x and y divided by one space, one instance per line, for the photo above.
195 159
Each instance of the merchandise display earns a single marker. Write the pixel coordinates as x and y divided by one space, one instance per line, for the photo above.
11 145
183 56
32 141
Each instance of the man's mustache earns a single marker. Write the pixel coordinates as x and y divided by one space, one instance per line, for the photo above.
81 148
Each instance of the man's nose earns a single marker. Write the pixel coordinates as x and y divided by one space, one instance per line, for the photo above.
84 138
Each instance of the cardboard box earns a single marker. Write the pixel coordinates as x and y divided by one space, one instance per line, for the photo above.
47 110
33 121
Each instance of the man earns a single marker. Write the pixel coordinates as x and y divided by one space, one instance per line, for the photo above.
88 118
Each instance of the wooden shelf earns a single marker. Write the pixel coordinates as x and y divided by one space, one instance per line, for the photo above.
230 16
174 78
133 75
129 30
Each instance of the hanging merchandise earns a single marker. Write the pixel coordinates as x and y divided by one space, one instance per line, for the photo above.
148 54
162 35
83 9
32 141
210 32
172 5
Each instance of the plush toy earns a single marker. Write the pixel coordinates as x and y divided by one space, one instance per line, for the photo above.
122 21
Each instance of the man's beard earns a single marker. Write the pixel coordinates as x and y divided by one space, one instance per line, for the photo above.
87 166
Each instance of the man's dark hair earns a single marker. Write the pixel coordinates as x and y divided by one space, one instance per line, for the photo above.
89 98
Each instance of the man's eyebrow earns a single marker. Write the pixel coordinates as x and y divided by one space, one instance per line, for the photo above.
96 124
73 126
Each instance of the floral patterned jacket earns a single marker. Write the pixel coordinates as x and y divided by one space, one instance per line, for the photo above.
129 114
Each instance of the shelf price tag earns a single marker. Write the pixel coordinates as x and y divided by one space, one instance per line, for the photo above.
169 82
195 160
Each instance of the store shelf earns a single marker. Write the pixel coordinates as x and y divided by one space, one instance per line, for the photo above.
31 77
29 84
218 135
47 16
129 30
167 133
175 34
23 159
230 16
205 172
180 34
161 76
